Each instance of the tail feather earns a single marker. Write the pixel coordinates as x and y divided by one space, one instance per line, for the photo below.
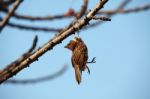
77 74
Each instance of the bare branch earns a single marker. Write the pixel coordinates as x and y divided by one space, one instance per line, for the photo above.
60 16
82 10
125 11
5 74
10 13
78 15
111 13
40 18
121 6
108 13
11 66
39 79
33 28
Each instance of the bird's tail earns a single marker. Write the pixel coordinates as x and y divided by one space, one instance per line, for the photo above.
77 74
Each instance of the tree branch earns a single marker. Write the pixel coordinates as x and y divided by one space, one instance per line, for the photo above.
121 6
78 15
50 44
125 11
9 68
39 79
33 28
10 13
109 13
60 16
40 18
82 10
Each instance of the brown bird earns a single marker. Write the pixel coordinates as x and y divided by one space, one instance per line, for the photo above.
79 56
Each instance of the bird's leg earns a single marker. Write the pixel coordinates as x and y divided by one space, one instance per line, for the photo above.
92 61
88 69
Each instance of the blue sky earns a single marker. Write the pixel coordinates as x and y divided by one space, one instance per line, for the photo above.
121 48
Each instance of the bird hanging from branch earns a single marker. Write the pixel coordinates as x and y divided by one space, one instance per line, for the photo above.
79 56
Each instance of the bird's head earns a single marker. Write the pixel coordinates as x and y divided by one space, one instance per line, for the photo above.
73 43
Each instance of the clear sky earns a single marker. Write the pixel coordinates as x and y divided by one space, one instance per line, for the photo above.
121 48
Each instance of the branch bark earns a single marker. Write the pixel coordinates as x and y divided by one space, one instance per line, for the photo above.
82 10
10 13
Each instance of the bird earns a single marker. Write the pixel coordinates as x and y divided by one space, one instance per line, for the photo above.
79 57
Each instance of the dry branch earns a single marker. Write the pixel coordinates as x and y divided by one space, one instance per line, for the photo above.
5 74
60 16
125 11
82 10
109 13
39 79
78 15
121 6
40 18
33 28
14 64
10 13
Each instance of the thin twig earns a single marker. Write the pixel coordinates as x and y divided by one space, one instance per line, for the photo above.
9 68
40 18
125 11
33 28
101 18
34 44
123 4
82 10
39 79
78 15
97 23
26 54
10 13
5 74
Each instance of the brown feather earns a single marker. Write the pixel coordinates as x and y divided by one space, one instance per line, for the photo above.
77 74
79 56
